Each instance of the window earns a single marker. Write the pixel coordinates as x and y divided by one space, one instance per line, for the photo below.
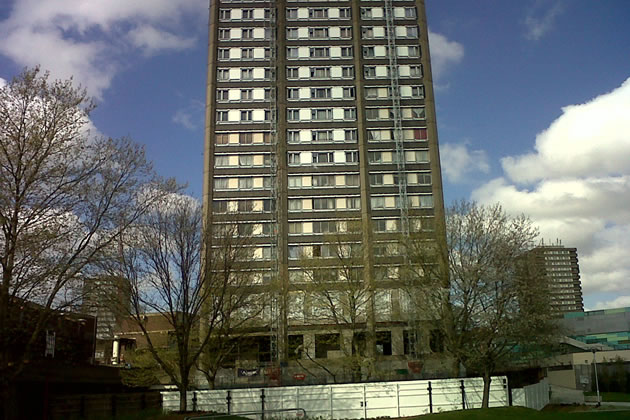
417 92
378 202
293 93
323 180
366 13
413 51
224 53
415 71
221 183
223 74
318 13
417 113
248 14
344 12
323 157
345 32
426 201
346 52
410 12
246 160
368 52
222 116
350 135
224 14
349 114
220 206
353 203
295 204
293 136
371 92
292 33
245 205
321 135
224 34
292 13
292 73
320 33
316 52
295 228
375 157
246 115
369 71
247 34
247 74
245 138
371 113
324 227
246 94
267 74
320 72
222 139
293 52
352 180
221 160
246 183
347 72
367 32
247 53
352 157
323 203
293 114
223 94
294 158
295 182
321 114
320 93
412 32
376 179
267 95
419 156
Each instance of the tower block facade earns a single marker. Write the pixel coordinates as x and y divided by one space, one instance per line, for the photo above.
321 144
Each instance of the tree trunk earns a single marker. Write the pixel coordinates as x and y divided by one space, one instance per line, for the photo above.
486 389
182 399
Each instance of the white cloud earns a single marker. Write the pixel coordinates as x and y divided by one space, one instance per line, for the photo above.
184 119
540 19
589 139
2 82
619 302
576 186
152 40
443 53
458 161
87 40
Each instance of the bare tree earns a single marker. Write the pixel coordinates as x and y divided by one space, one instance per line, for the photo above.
339 296
162 262
64 197
496 303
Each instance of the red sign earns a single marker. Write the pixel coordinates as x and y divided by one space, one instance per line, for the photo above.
299 376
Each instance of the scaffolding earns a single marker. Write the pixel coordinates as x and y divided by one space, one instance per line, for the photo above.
272 110
396 114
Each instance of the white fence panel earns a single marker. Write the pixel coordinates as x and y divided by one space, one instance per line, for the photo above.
534 396
413 398
348 401
353 401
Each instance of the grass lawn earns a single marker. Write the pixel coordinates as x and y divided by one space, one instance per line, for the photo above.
518 413
611 396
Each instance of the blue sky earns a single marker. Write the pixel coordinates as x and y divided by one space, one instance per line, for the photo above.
532 102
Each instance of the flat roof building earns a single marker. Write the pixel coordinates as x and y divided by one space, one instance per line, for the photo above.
320 124
560 266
